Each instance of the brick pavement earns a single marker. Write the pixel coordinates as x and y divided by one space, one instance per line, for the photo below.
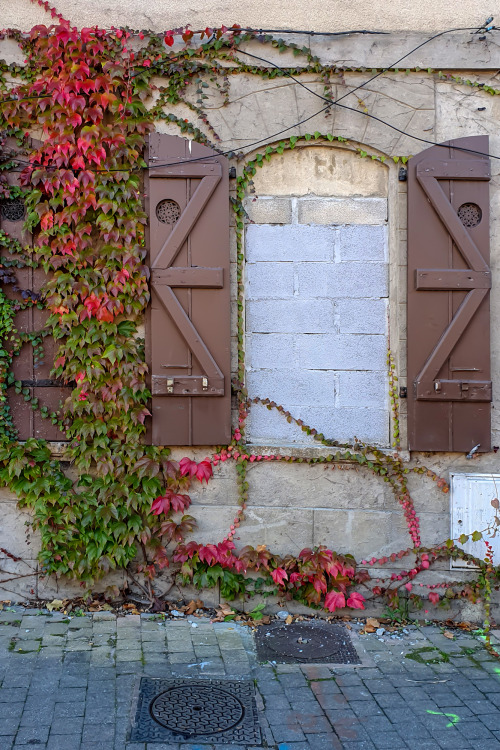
71 684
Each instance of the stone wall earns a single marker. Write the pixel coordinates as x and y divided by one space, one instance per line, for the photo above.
326 196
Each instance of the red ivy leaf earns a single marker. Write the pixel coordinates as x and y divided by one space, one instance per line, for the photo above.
334 600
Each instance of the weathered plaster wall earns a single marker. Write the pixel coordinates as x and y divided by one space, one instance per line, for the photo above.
315 15
293 505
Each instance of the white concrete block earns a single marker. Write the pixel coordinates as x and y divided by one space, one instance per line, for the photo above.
342 352
304 387
362 242
362 315
362 389
269 280
337 280
290 242
342 210
269 210
271 351
290 316
311 280
370 425
268 427
344 424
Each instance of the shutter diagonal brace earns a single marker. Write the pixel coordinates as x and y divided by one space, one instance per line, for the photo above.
164 276
426 384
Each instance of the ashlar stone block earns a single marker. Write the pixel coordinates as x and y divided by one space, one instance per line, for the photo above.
269 210
342 210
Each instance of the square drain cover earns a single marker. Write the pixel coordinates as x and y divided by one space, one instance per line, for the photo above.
210 711
306 643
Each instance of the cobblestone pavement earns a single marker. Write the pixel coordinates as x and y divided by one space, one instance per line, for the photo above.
71 684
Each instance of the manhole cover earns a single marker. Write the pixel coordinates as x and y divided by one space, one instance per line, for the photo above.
194 710
221 711
307 643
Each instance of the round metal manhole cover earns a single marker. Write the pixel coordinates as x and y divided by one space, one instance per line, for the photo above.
305 643
12 210
193 710
168 211
470 214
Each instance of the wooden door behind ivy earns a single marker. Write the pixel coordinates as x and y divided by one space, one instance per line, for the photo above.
32 365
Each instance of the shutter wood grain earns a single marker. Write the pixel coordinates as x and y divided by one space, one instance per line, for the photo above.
188 323
449 279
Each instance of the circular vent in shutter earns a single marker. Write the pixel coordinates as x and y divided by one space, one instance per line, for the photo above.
12 210
470 214
168 211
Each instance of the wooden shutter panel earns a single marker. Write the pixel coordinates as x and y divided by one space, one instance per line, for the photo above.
449 380
35 376
188 325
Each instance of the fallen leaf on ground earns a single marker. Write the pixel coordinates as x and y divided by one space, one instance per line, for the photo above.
289 620
55 604
371 625
448 634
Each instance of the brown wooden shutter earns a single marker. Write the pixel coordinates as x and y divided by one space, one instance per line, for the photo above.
188 325
34 376
449 379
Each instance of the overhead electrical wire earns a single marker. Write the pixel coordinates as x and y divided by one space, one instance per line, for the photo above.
485 27
475 29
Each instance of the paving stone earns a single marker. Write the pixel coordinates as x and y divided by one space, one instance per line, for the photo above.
64 742
9 725
63 726
68 710
28 735
388 741
287 733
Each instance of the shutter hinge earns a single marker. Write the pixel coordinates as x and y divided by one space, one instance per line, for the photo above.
187 385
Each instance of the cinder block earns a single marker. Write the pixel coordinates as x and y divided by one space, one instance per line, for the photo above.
312 280
362 389
268 427
342 210
337 280
342 352
269 210
269 280
291 242
363 243
362 315
306 387
370 425
271 351
290 316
